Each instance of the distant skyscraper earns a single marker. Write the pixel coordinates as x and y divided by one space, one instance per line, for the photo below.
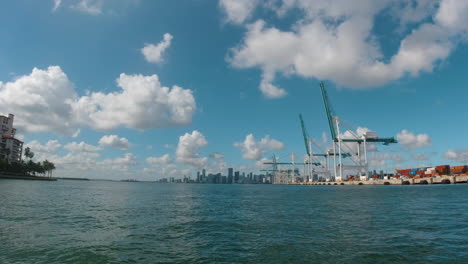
230 176
203 173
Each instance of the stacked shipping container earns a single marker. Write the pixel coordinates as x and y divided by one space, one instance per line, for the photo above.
437 171
460 169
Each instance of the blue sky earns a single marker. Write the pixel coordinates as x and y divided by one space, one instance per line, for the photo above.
241 68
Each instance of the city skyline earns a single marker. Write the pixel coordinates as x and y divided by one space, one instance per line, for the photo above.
126 89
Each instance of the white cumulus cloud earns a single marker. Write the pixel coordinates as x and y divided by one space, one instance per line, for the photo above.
154 52
254 150
41 101
237 11
187 151
81 147
334 40
353 147
460 155
114 141
46 101
121 163
52 146
164 159
413 141
141 104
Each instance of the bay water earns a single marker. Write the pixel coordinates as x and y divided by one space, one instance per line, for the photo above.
141 222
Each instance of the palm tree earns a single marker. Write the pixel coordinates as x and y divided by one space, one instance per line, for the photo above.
48 167
51 168
28 153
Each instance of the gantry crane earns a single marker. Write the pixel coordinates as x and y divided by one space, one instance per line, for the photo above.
308 145
334 124
276 170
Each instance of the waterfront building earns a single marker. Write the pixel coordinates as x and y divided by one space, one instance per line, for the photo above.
11 148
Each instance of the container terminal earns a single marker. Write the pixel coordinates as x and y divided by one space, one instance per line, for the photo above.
347 163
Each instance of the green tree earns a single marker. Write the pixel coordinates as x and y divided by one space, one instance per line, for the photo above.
48 167
28 153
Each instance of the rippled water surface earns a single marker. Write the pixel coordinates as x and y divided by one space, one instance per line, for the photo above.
120 222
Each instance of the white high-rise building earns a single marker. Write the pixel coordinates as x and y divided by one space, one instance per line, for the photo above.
11 148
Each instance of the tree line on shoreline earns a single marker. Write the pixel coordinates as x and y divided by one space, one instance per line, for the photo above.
29 167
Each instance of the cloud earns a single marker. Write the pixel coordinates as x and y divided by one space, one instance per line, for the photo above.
420 156
92 7
142 103
254 150
238 11
121 163
56 4
154 52
187 151
84 160
270 90
74 163
413 141
46 101
259 164
460 155
360 131
164 171
334 40
81 147
41 101
114 141
452 15
95 7
52 146
216 155
164 159
380 160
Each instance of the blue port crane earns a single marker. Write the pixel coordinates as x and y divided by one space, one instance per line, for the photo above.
334 125
308 147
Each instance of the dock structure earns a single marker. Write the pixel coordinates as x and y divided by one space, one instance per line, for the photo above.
447 179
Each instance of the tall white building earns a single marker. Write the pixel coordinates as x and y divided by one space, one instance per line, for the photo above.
11 148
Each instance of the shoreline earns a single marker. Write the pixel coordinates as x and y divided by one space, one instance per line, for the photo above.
25 177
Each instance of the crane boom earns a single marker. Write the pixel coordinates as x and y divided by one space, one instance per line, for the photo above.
330 117
290 163
328 111
305 135
385 141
